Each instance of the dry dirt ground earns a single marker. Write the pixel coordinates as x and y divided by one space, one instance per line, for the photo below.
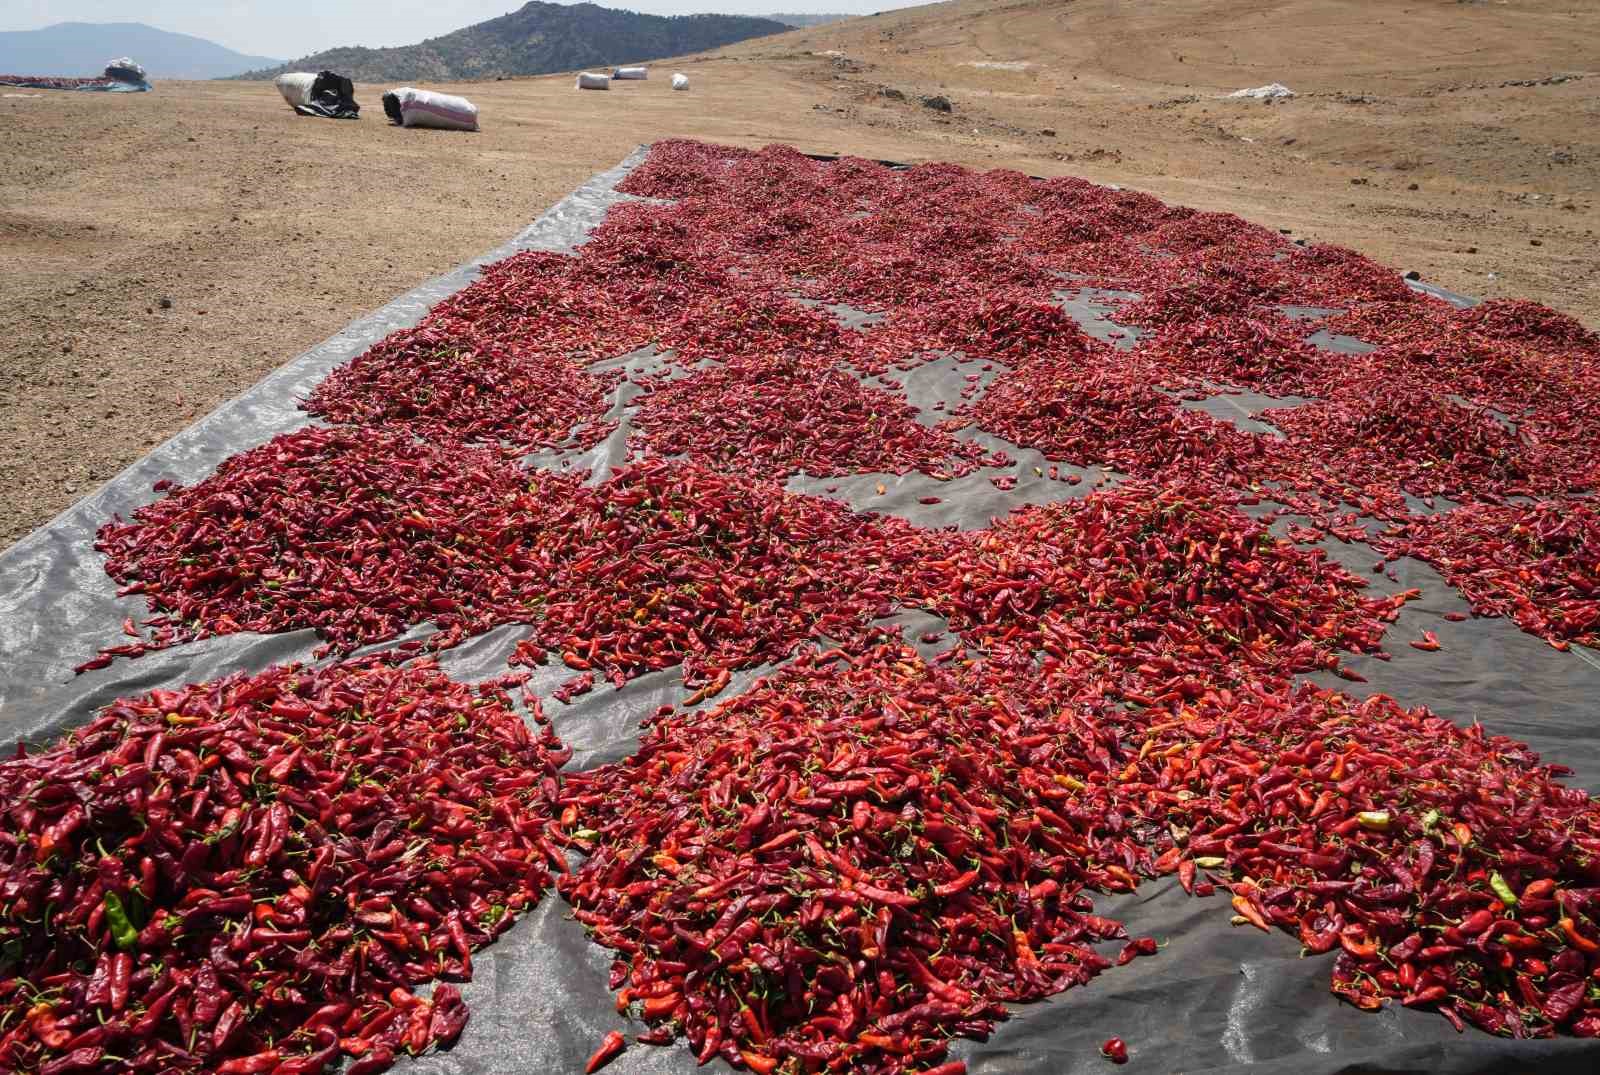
1433 135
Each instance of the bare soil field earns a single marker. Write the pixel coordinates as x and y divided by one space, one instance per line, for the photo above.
160 252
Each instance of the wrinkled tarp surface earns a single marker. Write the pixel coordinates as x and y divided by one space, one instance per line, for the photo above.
1214 999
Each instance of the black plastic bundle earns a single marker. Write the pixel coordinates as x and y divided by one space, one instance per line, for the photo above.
332 97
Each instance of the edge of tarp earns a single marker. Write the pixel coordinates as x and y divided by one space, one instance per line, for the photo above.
52 576
1453 298
547 232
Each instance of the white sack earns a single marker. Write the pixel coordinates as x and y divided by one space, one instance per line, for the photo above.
680 81
295 86
588 80
1272 90
631 72
424 108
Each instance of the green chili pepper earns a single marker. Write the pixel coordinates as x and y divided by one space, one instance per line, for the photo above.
122 930
1376 820
1502 890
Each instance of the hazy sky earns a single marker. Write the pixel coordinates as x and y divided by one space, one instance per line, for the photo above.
289 30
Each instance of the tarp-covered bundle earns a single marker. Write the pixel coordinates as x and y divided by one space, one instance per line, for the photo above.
124 69
328 95
680 81
409 107
631 73
590 80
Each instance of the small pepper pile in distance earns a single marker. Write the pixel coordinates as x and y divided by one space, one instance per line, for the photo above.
252 874
1162 584
769 418
499 361
1266 354
1419 442
1090 416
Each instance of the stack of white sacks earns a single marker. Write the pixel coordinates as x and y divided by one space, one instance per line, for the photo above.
597 80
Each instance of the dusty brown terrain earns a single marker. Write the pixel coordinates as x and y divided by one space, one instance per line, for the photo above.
267 232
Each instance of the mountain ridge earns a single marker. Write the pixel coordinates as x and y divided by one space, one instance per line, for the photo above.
801 20
538 38
68 49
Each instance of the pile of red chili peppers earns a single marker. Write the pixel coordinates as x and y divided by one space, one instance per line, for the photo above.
770 417
1351 825
1536 564
670 563
1158 589
867 853
358 533
841 867
252 874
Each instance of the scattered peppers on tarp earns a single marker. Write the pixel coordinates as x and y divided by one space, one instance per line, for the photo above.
866 853
253 874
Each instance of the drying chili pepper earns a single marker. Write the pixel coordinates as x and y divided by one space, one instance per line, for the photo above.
1115 1050
611 1047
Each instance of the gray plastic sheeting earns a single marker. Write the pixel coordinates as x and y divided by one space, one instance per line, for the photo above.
1216 998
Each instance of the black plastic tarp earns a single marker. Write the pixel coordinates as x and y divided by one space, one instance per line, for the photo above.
332 96
1214 999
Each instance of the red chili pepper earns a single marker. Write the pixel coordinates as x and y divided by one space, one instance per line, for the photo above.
250 1065
1576 938
758 1062
610 1048
1115 1050
121 975
1247 908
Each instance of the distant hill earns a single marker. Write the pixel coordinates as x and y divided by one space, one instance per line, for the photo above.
800 20
536 39
82 48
